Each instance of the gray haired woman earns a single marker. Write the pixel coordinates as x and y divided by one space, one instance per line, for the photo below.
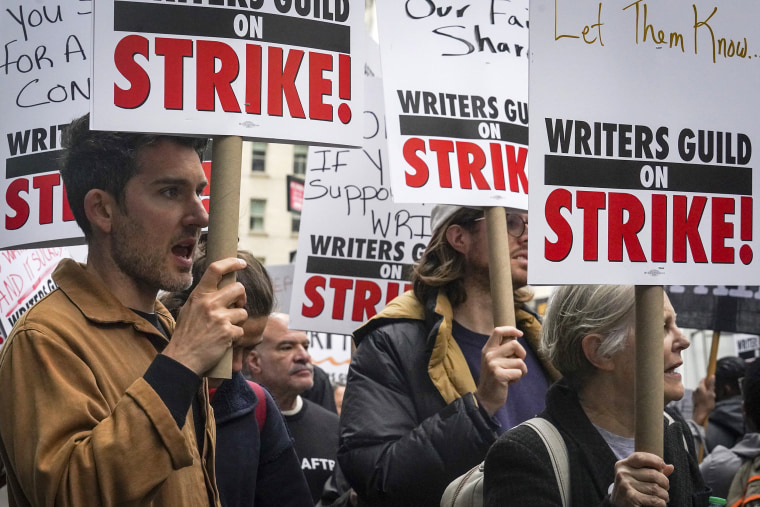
588 334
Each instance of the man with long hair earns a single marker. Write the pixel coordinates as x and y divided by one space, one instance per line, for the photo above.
433 381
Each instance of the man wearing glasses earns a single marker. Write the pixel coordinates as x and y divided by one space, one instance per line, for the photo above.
427 388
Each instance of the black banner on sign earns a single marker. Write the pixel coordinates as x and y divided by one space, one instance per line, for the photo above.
193 21
435 126
562 171
358 268
34 163
734 309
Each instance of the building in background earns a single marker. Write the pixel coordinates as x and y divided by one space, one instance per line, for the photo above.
266 226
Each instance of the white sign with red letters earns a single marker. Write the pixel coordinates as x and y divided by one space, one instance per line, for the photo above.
24 280
355 246
643 119
455 76
45 82
265 69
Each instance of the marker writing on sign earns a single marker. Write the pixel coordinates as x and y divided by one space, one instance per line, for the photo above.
23 55
473 35
695 26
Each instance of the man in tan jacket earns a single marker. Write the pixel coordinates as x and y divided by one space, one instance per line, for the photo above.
98 406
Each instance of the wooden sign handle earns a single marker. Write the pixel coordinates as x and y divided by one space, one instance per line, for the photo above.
500 267
224 209
649 380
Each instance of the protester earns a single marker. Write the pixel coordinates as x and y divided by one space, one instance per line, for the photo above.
255 460
427 388
722 464
98 406
589 335
281 363
726 423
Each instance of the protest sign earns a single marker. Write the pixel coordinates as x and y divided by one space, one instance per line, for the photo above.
641 133
24 280
331 351
747 346
265 69
355 246
45 78
295 193
456 94
734 309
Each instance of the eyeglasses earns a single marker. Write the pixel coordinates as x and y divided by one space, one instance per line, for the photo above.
515 225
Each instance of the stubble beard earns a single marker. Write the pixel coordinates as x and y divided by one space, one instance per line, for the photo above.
144 265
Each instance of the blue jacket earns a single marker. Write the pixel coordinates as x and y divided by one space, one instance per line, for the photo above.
254 468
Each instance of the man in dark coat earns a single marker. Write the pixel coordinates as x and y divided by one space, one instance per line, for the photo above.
427 387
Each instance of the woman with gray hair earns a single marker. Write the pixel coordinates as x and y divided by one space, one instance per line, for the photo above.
588 334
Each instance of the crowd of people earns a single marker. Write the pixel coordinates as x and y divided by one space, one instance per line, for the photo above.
104 398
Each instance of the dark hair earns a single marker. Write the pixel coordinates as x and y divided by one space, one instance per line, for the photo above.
751 392
95 159
729 371
259 293
440 265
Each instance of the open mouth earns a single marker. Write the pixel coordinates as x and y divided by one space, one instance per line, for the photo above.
184 249
674 370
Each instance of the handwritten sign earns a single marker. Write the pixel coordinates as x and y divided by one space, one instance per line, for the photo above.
456 92
642 127
355 246
266 69
24 280
45 78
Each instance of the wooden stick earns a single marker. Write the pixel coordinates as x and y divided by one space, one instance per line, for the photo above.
500 267
713 362
224 209
649 380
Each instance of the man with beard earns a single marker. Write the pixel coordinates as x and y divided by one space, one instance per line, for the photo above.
281 363
102 396
427 387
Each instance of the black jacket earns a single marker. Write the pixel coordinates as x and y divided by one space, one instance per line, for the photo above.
410 423
518 470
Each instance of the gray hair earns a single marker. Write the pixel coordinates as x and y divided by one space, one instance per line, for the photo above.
576 311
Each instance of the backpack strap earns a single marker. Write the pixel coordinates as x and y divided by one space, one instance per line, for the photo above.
747 499
557 454
261 407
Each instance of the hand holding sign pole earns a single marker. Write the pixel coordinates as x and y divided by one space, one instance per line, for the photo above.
638 186
224 205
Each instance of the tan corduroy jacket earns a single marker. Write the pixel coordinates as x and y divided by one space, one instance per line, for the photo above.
79 426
